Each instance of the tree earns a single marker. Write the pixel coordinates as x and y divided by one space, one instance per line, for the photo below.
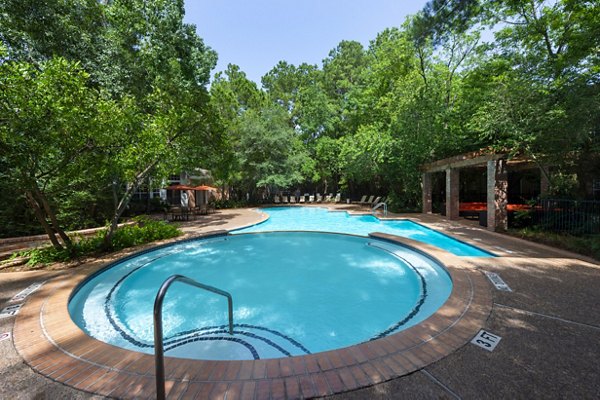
49 131
140 55
542 83
270 152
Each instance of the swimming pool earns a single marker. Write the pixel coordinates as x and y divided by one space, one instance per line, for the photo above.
294 293
320 219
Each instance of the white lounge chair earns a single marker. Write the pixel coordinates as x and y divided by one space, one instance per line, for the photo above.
369 201
363 199
284 199
328 198
338 198
311 199
376 201
302 199
292 199
276 200
319 198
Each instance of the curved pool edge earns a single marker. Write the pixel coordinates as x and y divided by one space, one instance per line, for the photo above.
359 213
51 344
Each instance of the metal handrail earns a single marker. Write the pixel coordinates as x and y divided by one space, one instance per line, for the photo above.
159 356
378 205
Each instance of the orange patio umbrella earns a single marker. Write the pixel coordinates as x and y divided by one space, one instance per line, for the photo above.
205 187
180 187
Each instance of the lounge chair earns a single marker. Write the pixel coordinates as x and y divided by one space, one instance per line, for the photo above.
292 199
369 201
363 199
311 199
376 201
338 198
284 199
328 198
276 199
319 198
302 199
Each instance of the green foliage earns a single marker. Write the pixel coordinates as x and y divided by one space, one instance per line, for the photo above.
144 230
229 203
585 245
96 101
106 96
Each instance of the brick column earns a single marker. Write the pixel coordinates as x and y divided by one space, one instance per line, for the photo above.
497 190
426 189
452 188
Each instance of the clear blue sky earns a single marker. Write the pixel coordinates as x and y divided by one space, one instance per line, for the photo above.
256 34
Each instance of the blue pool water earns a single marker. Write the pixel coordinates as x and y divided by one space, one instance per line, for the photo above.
293 293
320 219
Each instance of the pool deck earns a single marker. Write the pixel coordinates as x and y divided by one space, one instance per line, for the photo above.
549 326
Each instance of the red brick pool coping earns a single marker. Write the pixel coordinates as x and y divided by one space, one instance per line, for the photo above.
51 344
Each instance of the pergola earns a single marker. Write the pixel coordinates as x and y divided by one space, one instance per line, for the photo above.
497 184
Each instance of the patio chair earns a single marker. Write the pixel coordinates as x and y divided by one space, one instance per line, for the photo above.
319 198
284 199
292 199
302 199
338 198
362 199
376 201
311 199
276 199
369 201
328 198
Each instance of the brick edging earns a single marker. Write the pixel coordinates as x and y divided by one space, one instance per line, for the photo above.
51 344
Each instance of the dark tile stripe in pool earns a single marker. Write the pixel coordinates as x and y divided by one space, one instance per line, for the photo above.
417 306
129 337
191 338
193 333
272 331
112 371
224 338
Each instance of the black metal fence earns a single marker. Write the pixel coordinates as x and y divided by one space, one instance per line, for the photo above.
577 217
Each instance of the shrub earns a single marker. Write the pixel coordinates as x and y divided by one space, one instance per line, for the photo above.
587 245
145 230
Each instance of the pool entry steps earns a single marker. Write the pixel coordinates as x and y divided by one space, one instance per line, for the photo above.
53 345
159 353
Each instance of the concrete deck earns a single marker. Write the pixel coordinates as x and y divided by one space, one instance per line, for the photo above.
549 324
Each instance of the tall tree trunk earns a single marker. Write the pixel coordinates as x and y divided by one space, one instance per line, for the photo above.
107 242
50 213
39 214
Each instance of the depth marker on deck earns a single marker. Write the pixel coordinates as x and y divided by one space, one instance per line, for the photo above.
486 340
22 295
10 311
497 281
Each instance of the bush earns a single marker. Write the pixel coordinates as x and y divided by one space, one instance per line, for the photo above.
587 245
145 230
229 203
397 203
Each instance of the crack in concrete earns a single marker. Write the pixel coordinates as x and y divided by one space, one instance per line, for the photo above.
547 316
439 383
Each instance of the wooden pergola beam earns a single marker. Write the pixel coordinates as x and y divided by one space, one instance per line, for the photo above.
461 161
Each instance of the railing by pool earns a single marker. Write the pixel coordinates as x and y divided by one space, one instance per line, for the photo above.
159 356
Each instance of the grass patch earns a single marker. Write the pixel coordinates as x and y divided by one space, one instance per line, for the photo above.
587 245
145 230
